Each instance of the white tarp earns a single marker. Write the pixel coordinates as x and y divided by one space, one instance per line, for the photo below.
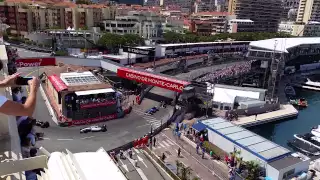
224 95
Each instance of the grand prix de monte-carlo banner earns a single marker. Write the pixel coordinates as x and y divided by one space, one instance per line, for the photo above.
152 79
35 62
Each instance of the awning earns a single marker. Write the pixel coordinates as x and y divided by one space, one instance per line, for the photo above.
199 127
96 91
57 83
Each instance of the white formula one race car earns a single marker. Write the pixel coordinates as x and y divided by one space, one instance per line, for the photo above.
102 128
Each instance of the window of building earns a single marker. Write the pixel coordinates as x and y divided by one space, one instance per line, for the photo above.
288 174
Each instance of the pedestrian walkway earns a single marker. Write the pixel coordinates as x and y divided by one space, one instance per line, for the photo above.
205 169
144 170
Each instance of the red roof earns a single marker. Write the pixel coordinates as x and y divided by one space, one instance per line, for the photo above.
215 13
57 83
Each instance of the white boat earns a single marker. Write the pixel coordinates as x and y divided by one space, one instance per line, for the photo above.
316 131
311 83
307 139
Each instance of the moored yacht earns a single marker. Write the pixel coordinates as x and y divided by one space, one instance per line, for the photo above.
304 147
316 131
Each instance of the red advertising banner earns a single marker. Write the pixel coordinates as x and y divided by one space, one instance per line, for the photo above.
93 120
93 105
35 62
57 83
152 79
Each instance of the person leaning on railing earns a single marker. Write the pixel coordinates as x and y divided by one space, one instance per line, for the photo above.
10 107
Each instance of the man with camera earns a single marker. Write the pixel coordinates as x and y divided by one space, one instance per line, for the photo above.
9 107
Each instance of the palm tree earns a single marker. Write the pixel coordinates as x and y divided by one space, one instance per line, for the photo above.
196 178
179 166
253 170
185 173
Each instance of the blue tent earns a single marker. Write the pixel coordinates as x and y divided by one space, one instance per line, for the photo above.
199 127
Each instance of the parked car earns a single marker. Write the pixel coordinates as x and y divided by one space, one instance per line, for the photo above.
102 128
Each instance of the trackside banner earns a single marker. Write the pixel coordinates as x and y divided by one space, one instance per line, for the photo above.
152 79
35 62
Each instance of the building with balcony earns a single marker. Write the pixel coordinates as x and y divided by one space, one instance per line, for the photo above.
240 25
309 10
265 14
209 23
146 24
67 37
17 16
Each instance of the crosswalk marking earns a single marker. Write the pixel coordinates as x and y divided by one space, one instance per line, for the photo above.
136 150
171 143
161 145
151 120
165 143
125 167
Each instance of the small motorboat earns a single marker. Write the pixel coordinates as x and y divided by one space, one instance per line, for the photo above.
304 147
299 102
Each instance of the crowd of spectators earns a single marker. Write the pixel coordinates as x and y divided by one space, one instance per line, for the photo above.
22 107
231 71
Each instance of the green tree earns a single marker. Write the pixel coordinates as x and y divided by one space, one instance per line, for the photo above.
182 171
188 37
115 41
133 40
253 170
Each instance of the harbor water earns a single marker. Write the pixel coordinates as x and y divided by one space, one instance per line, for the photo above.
282 131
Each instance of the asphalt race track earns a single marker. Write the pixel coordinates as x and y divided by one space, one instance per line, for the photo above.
120 131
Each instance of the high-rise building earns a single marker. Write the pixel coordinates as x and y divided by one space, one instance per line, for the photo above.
309 10
265 14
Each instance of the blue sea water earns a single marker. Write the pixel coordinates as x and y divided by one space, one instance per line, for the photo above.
282 131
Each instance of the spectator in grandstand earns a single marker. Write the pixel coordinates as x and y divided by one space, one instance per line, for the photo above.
235 70
14 108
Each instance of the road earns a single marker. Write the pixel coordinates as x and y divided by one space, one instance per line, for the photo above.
120 131
27 53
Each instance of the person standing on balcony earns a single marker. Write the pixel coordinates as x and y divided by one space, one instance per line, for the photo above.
9 107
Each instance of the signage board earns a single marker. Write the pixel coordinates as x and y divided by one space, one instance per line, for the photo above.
93 120
94 105
152 79
147 52
35 62
57 83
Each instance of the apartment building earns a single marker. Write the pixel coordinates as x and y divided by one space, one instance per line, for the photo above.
147 24
289 6
210 23
240 25
27 17
265 14
309 10
18 17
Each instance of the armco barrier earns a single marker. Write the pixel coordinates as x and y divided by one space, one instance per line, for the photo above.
156 158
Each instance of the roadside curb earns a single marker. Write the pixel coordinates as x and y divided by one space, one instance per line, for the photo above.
45 98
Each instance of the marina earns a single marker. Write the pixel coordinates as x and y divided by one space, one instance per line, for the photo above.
285 112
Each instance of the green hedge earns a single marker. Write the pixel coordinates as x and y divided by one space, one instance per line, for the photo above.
211 147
